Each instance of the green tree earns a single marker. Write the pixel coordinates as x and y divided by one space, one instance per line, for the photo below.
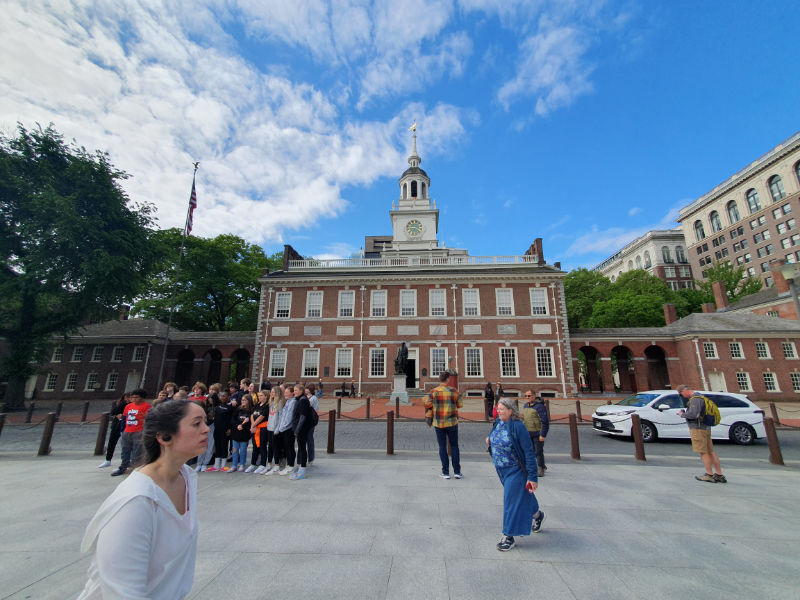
628 310
217 287
737 285
72 246
582 289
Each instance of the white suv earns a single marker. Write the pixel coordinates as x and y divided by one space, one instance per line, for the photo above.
742 421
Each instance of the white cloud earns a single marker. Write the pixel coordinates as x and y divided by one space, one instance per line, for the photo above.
634 211
337 251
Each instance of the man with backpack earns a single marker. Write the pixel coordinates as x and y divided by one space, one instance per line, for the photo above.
537 422
698 419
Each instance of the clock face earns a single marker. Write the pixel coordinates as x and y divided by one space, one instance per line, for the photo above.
414 228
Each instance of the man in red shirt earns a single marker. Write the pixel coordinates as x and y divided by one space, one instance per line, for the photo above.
133 417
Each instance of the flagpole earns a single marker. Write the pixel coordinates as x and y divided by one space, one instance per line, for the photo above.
187 228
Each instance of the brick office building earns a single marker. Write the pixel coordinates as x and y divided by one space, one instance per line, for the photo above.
491 318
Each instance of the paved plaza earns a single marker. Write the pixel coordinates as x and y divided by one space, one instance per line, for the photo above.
368 525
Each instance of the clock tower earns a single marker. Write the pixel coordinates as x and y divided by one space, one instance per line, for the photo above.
415 218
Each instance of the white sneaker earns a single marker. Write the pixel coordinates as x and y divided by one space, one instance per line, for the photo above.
203 468
241 468
285 471
250 469
104 464
272 470
259 470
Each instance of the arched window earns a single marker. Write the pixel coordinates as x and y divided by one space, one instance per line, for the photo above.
733 212
405 191
776 188
647 262
630 265
797 170
424 195
666 254
716 222
413 189
680 254
699 231
638 262
753 202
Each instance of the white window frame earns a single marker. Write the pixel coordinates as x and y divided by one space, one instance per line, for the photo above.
277 362
763 348
540 354
310 362
437 302
710 350
539 306
112 379
347 304
476 305
139 353
91 379
58 354
789 350
377 303
344 363
408 309
435 371
794 377
770 380
512 351
314 307
377 358
77 354
736 347
744 377
478 352
283 305
507 304
117 351
71 381
50 382
97 354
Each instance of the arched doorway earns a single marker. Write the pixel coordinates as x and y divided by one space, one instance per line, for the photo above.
657 374
623 369
212 366
240 364
590 375
185 367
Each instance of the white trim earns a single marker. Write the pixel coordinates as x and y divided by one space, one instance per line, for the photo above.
382 351
442 305
549 351
412 293
307 352
315 306
343 352
288 309
513 349
510 306
373 305
434 349
273 355
467 350
345 304
468 292
546 301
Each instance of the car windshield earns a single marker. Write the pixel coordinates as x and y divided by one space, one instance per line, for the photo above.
638 400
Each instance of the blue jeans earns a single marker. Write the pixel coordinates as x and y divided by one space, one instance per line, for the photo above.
442 435
239 453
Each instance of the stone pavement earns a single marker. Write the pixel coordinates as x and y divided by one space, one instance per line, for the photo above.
367 525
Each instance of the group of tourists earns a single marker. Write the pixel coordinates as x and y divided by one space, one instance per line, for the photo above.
277 422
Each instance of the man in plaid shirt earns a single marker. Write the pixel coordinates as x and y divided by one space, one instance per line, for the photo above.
443 403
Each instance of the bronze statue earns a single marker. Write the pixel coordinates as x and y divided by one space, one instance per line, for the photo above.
401 360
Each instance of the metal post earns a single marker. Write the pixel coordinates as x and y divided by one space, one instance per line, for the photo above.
2 422
573 434
59 408
331 430
636 431
100 444
85 411
47 434
773 409
547 406
29 416
368 403
775 456
578 410
339 407
390 432
397 407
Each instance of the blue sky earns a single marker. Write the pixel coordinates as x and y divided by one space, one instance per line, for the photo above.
584 123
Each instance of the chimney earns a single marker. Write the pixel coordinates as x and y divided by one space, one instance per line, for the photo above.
780 282
557 265
709 307
670 313
720 294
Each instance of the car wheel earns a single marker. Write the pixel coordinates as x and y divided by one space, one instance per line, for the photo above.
742 433
649 432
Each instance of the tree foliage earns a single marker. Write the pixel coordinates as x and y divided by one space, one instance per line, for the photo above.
737 285
71 244
217 288
582 289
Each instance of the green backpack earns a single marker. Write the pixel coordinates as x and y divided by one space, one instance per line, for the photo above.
711 415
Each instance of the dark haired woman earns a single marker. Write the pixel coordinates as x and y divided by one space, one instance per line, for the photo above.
144 536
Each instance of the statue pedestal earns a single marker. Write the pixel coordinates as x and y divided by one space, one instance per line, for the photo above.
399 390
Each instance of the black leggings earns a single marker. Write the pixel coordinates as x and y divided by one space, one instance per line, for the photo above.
267 450
220 443
287 445
302 448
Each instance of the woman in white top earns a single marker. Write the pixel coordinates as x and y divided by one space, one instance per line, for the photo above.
144 536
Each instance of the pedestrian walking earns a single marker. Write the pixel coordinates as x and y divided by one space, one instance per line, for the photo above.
537 422
443 403
700 434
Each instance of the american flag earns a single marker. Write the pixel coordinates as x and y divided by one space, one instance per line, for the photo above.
192 206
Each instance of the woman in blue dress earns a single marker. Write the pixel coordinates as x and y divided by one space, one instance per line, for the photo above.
515 461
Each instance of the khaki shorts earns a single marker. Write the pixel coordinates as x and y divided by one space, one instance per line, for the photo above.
701 441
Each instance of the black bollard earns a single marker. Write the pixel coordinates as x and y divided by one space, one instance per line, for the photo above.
100 444
390 432
397 407
85 411
578 410
339 407
773 409
29 416
47 434
368 403
775 455
638 441
2 422
547 406
59 408
573 435
331 430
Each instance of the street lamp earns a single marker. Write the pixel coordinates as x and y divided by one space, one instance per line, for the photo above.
791 273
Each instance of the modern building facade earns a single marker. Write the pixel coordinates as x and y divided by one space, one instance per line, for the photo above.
660 252
751 218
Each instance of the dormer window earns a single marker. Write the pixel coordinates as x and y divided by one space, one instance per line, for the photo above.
413 189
